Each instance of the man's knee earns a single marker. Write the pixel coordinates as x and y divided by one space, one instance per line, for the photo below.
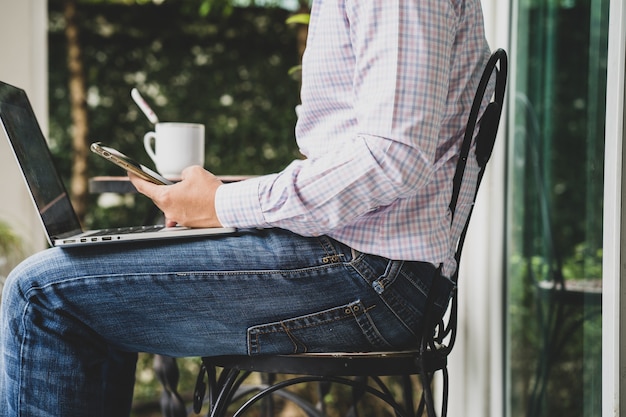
32 273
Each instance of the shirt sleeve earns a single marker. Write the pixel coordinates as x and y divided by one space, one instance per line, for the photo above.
398 61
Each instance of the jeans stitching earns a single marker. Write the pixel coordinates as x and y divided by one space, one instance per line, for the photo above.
282 327
326 245
304 326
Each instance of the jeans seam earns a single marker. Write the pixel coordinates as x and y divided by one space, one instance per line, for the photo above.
281 327
333 254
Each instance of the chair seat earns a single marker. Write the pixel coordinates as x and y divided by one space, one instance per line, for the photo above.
348 369
336 363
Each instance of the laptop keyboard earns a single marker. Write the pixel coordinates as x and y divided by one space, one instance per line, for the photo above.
127 230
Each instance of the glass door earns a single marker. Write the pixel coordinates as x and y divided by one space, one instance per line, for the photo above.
554 208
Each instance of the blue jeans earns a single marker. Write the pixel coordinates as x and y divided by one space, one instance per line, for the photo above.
72 320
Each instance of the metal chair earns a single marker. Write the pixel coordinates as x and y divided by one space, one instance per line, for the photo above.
357 370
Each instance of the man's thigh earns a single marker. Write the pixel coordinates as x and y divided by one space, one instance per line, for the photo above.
221 295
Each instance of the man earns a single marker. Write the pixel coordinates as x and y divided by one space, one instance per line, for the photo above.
335 253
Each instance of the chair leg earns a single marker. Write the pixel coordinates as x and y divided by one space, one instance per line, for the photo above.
444 396
358 391
229 381
323 388
268 402
201 387
407 396
407 393
427 399
427 396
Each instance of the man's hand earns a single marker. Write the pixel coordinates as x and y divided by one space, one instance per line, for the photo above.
190 202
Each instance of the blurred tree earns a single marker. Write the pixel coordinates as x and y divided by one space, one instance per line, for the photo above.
78 91
228 71
78 105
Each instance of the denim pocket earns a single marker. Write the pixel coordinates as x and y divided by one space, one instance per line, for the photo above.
403 288
343 328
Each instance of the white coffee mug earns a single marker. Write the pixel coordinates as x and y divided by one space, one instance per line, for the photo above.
176 147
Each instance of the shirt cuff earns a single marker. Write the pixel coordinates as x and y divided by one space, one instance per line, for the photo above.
237 204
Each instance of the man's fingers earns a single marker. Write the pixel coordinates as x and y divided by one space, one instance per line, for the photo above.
190 202
192 170
143 186
160 196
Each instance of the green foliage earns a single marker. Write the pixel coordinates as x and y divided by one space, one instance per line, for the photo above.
228 72
207 5
11 249
203 8
9 240
148 388
584 263
301 18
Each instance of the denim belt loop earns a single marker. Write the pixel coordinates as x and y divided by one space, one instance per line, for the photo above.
393 268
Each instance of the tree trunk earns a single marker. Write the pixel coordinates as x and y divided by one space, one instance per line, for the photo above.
78 106
303 30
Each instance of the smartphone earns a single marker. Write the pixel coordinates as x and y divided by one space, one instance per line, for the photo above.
128 164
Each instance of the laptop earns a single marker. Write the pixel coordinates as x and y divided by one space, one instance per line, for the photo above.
48 193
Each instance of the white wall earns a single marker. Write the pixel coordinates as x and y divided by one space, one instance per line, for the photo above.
614 247
23 63
476 363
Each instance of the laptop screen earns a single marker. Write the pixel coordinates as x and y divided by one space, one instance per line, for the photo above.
34 158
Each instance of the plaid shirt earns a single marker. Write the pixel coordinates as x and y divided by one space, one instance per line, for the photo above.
386 90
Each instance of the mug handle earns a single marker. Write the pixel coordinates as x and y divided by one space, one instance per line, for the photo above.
147 143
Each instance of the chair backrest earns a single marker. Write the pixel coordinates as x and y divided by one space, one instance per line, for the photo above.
439 335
